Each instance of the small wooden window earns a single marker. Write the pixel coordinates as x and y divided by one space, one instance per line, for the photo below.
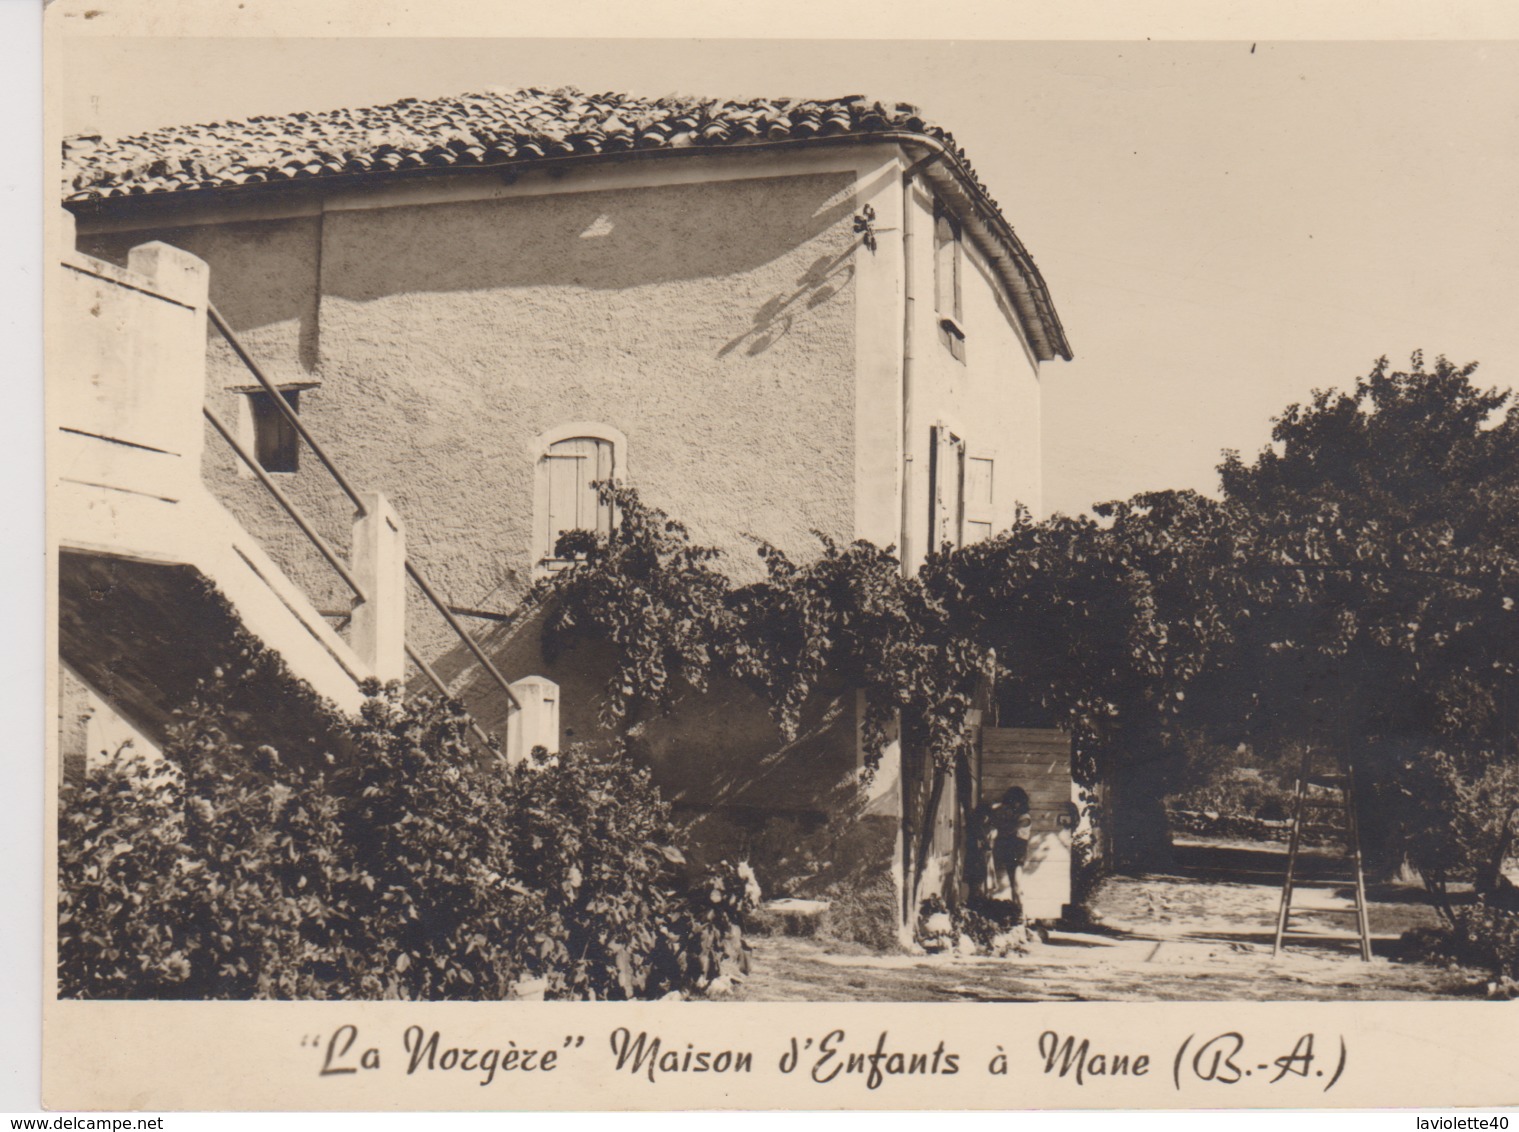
946 490
948 268
979 477
276 444
569 470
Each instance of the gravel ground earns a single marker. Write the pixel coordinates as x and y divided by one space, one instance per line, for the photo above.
1201 932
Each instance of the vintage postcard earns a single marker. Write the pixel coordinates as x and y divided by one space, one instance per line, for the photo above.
599 568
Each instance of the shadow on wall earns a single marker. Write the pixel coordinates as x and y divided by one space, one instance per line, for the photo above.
610 239
265 273
720 750
822 281
817 854
262 273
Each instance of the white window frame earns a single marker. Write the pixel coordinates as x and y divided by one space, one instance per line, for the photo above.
247 432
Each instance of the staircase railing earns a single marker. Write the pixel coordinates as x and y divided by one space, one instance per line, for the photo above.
321 544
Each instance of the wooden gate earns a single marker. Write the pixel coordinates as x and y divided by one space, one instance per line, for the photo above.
1038 760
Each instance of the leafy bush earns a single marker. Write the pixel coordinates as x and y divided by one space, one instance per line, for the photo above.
1481 935
412 870
210 876
438 900
1488 936
615 913
1447 816
986 927
1242 792
990 924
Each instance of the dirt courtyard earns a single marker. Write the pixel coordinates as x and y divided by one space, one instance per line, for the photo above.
1201 931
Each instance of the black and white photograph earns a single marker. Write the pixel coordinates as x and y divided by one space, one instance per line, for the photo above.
800 521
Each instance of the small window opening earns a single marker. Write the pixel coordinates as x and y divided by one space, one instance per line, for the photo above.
276 444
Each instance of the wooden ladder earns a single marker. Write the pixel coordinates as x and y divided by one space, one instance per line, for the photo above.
1330 792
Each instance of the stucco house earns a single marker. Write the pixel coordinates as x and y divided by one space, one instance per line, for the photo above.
772 317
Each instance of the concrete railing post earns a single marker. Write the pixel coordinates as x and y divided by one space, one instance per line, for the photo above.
378 633
180 381
537 724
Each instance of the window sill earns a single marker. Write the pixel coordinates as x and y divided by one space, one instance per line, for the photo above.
547 566
246 473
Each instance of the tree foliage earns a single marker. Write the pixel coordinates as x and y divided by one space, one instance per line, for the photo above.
1382 532
1354 589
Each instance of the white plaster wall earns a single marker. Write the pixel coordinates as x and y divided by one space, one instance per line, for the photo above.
991 399
714 322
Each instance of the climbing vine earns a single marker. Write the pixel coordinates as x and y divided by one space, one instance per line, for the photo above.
844 619
1356 588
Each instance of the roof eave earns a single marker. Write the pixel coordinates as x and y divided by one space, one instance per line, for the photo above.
964 194
989 227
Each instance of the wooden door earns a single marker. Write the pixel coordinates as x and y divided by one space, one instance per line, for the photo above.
1038 760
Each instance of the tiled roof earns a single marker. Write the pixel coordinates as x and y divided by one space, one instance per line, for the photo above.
499 127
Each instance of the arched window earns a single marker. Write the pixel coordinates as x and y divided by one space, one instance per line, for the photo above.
571 460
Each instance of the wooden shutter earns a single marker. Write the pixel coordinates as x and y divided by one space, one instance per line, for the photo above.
605 469
946 267
978 498
946 478
573 467
978 481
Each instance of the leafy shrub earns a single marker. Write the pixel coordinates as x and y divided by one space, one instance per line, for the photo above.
989 927
411 871
707 934
990 924
615 913
1242 792
437 895
1481 935
211 876
1488 936
1448 820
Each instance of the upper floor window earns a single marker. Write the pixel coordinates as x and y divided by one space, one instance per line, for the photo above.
571 462
949 261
